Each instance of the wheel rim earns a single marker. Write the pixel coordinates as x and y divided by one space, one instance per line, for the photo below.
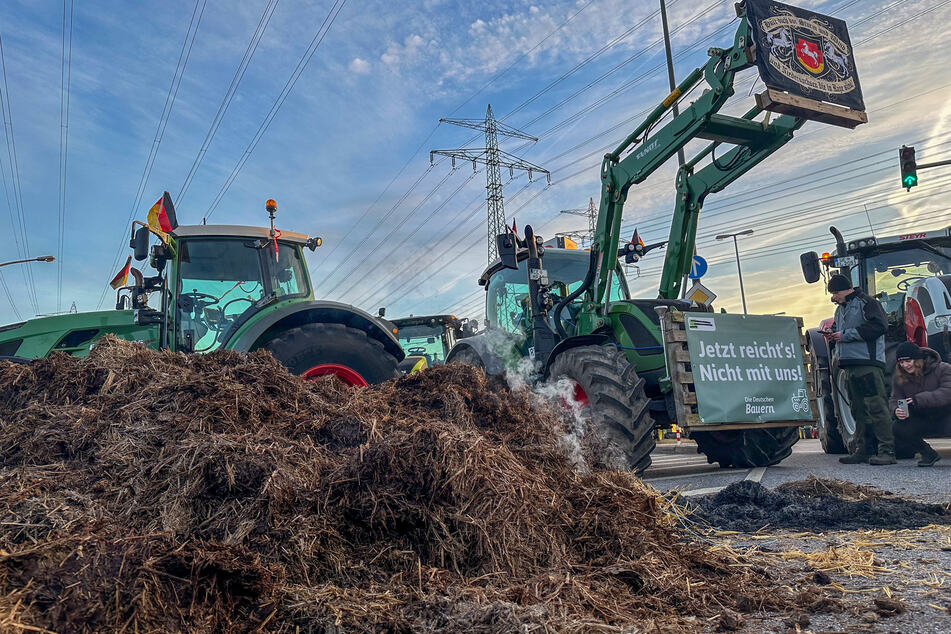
845 412
579 398
348 375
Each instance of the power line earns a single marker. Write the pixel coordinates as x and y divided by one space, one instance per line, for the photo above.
65 75
184 54
322 31
559 80
19 224
6 291
239 72
382 242
425 141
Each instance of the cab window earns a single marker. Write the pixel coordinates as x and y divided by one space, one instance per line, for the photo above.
287 273
219 280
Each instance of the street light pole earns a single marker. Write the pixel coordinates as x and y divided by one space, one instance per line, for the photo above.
736 248
42 258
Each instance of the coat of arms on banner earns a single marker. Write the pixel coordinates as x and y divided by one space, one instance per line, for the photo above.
805 53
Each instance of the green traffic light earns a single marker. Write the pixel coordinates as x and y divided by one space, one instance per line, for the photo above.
910 180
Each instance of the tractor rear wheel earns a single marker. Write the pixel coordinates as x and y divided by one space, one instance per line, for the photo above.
314 350
746 448
616 403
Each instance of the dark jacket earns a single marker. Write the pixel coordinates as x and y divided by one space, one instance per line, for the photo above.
931 391
861 320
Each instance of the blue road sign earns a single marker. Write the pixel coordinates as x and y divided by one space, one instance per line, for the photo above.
698 268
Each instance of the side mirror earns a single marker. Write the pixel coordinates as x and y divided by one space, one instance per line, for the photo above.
810 266
508 250
382 311
140 243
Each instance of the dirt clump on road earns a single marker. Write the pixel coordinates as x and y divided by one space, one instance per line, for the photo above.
815 504
154 491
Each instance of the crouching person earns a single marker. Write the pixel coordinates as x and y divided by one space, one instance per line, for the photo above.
923 382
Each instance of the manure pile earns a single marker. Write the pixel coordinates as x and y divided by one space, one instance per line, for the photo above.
146 491
815 504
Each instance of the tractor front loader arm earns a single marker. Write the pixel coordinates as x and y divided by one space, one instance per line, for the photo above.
753 141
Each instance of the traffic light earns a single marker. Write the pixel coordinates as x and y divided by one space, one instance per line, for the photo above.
909 169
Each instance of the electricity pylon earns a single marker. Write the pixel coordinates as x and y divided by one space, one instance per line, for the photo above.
591 213
494 159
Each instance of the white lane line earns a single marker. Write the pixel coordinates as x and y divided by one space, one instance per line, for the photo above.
693 492
712 471
755 475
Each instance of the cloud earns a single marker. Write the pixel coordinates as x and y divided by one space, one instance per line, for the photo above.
359 66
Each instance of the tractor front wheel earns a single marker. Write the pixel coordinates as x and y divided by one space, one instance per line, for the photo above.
617 406
746 448
314 350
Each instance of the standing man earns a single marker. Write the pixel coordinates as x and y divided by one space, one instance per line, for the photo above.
858 350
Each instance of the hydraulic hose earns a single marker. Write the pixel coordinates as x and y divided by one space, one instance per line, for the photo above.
585 284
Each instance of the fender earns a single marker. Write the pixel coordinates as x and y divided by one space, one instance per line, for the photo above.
817 343
574 342
301 313
487 351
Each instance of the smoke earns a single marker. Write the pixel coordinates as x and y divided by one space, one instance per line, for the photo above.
557 395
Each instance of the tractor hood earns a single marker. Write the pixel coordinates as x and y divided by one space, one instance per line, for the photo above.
73 334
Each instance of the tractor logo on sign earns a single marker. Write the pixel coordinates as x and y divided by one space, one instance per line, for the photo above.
800 402
804 53
809 54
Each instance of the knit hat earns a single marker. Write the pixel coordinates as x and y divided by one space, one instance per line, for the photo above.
908 350
839 282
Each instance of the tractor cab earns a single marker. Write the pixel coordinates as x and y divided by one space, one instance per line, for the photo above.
427 339
507 289
906 273
222 276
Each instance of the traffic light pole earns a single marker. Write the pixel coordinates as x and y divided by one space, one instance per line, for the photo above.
922 166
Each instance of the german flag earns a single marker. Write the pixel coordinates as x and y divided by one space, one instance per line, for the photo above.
122 277
162 214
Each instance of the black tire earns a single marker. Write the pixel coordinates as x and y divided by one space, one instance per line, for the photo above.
304 347
466 354
617 402
828 425
843 413
746 448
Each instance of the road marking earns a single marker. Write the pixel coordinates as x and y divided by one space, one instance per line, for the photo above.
755 475
694 492
713 470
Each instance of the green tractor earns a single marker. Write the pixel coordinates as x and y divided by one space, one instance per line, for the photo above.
570 313
224 287
427 339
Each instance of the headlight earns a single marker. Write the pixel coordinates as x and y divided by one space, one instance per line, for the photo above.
942 321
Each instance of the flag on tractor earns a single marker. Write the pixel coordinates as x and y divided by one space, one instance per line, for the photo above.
162 214
122 276
514 228
637 239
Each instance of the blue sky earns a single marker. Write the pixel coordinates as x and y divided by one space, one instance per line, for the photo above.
347 155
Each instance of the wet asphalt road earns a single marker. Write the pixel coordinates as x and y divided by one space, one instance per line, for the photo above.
682 468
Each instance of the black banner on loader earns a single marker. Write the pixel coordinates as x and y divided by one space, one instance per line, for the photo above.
804 53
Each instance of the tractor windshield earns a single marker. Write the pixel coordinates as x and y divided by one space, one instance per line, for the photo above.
425 340
506 304
890 273
222 281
